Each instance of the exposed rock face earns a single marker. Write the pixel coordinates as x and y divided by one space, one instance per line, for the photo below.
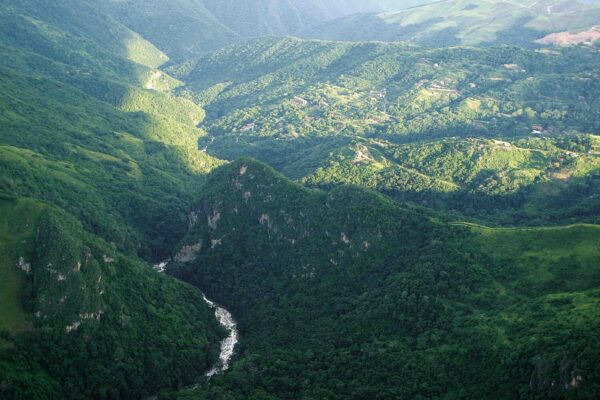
265 219
344 238
193 219
552 380
214 219
73 327
188 253
24 266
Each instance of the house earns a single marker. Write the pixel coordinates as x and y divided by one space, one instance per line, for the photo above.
572 154
537 129
299 102
248 127
514 67
377 94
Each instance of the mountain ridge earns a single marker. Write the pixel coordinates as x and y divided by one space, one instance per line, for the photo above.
293 263
187 28
355 255
462 22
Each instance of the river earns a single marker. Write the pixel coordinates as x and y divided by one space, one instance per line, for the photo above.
226 320
228 344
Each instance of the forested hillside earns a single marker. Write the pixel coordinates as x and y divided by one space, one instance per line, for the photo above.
267 17
89 321
79 123
347 295
95 169
191 210
187 28
465 22
499 135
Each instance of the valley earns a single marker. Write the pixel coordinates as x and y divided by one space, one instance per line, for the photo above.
450 137
401 201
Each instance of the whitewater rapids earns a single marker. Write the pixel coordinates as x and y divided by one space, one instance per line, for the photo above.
228 344
226 320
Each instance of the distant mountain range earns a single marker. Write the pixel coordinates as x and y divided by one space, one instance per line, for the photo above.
464 22
184 28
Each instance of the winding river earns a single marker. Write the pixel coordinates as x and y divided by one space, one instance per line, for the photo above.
228 344
226 320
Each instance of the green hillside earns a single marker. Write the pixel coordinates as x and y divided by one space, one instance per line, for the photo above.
542 260
80 129
499 135
183 29
95 316
434 92
73 32
422 222
522 181
97 164
346 294
252 18
17 226
465 22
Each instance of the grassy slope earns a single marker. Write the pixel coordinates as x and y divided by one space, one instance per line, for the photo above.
542 260
74 24
93 136
182 29
553 276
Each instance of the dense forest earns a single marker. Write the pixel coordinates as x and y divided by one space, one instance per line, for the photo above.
347 295
410 218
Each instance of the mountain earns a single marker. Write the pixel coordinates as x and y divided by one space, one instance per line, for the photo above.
464 22
346 294
180 28
87 321
427 227
186 28
486 133
96 131
96 161
251 18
